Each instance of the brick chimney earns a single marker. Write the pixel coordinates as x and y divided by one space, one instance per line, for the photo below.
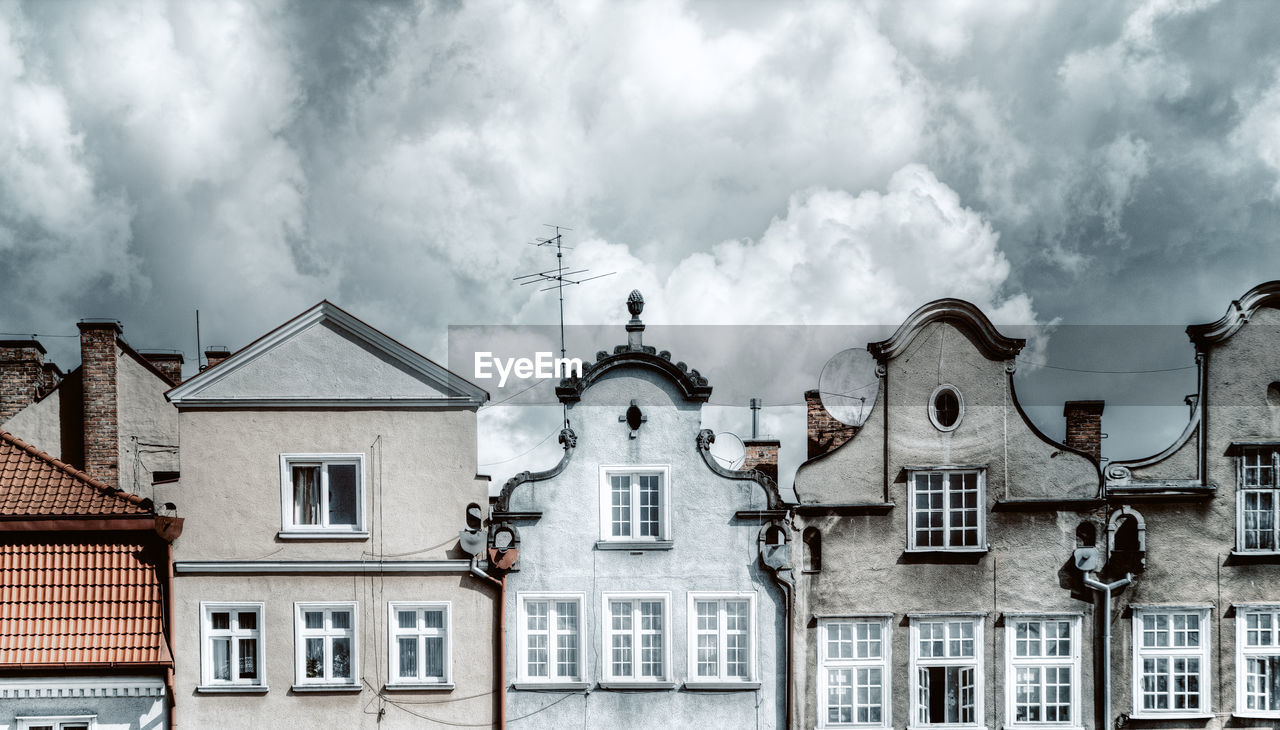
762 455
24 376
1084 425
825 431
215 355
169 363
101 417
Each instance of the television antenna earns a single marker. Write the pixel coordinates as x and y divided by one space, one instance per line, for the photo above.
558 278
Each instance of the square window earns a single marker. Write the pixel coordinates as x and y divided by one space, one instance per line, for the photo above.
721 637
322 493
419 643
1170 662
853 672
1258 661
635 628
551 638
947 510
1042 671
1258 501
634 504
946 670
231 645
325 642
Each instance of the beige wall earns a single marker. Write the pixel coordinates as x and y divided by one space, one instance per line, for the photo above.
147 427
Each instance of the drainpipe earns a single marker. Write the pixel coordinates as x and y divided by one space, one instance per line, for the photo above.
788 596
1103 597
500 634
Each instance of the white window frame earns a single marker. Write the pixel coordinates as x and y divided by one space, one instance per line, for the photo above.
290 529
977 661
884 663
553 678
57 722
635 679
981 472
301 634
395 633
721 679
235 684
1013 662
1273 488
933 407
606 503
1202 653
1244 653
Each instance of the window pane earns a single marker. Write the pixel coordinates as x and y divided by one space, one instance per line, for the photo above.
649 505
408 657
248 658
433 619
248 620
407 619
222 659
313 619
342 658
315 658
306 495
341 619
620 505
840 695
433 653
342 494
220 620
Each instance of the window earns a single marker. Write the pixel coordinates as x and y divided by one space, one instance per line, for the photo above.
633 503
721 638
231 646
1043 670
1257 504
812 550
853 672
946 408
62 722
325 642
322 494
1171 662
946 670
419 649
635 638
551 638
1258 661
947 510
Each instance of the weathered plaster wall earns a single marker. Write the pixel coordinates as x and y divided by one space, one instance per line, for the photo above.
148 425
866 568
40 424
712 551
473 658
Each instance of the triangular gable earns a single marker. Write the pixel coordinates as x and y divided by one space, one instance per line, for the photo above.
326 357
34 484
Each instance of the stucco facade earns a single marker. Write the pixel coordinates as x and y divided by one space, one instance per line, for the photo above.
611 568
863 508
321 591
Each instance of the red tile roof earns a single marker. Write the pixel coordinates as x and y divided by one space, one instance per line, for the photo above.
79 603
33 483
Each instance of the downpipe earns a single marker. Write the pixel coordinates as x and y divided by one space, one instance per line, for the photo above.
1102 603
501 636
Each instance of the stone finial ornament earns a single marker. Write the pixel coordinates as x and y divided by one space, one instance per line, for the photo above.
635 303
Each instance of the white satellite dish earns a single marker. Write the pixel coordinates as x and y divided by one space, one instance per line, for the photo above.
728 450
848 385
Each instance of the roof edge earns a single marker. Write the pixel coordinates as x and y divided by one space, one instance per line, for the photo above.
1237 315
963 315
77 474
569 440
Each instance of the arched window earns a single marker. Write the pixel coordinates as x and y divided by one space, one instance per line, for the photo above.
812 549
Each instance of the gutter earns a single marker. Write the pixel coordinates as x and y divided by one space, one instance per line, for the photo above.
500 638
788 595
1103 591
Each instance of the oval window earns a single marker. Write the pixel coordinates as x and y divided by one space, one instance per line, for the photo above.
946 408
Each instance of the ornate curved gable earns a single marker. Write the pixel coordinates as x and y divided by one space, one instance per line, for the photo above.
691 384
1238 314
960 314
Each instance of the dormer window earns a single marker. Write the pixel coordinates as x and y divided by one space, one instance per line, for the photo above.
946 408
1257 503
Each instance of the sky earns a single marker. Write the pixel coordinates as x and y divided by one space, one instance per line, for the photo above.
743 163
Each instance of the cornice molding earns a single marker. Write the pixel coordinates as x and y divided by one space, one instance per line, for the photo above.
706 437
1238 314
569 440
692 385
960 314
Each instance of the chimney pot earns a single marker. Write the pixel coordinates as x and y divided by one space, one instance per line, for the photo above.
169 363
762 455
215 355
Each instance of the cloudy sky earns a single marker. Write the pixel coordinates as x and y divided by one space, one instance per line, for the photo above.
740 163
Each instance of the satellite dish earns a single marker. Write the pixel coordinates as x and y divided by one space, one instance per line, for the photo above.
848 386
729 450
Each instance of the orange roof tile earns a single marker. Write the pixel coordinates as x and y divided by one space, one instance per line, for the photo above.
82 602
34 483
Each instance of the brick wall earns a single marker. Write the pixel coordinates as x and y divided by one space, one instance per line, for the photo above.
101 419
169 363
1084 425
215 355
825 431
762 454
24 376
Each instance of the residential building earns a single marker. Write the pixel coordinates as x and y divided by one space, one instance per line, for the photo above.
936 586
84 599
650 585
327 472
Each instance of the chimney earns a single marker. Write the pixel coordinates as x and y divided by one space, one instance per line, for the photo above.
101 418
762 455
215 355
24 376
169 363
825 431
1084 426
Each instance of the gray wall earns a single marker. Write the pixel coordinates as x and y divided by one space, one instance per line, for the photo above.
127 710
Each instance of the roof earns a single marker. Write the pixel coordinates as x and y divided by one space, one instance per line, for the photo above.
325 357
33 483
79 603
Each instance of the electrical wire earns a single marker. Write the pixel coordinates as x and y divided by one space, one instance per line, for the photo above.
504 400
1105 372
397 704
530 451
31 335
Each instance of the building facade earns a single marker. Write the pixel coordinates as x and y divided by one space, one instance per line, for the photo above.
649 589
327 472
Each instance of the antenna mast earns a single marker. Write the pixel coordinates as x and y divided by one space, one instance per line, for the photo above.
557 278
